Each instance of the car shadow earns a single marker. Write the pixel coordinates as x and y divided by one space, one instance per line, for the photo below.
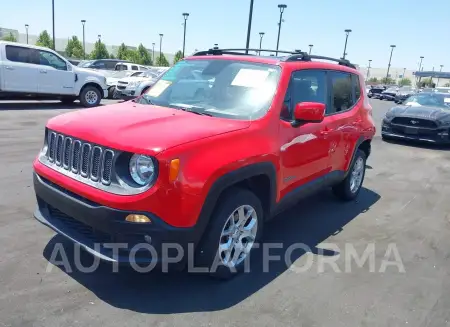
41 105
418 144
309 223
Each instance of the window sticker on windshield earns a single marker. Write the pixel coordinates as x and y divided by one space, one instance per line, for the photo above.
250 77
158 88
447 100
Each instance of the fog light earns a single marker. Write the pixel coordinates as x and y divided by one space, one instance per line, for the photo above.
138 219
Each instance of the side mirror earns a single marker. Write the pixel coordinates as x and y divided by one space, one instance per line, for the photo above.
308 112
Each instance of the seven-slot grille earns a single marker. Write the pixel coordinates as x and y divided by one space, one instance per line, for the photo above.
80 158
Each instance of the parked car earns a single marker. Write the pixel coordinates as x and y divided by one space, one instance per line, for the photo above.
375 91
129 66
130 88
102 64
403 93
74 62
32 72
389 94
421 117
442 89
115 77
205 171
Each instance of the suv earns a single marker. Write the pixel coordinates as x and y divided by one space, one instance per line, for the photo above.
205 169
32 72
103 64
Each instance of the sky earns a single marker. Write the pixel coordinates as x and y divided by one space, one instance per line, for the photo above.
417 28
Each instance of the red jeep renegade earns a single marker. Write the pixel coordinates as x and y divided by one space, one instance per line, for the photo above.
220 144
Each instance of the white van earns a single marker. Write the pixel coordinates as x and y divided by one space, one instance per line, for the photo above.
129 66
29 72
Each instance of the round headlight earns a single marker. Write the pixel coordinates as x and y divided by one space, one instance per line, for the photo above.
142 169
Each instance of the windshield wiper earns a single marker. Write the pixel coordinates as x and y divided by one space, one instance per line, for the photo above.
189 108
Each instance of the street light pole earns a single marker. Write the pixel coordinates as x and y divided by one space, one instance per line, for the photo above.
347 32
282 8
153 52
160 48
83 21
404 72
389 65
53 21
185 15
249 27
368 69
99 38
420 64
261 35
310 48
26 28
440 70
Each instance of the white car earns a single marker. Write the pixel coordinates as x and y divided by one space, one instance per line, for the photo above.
29 71
113 78
126 87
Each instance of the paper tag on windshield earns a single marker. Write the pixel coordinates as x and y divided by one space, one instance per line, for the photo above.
158 88
250 77
447 100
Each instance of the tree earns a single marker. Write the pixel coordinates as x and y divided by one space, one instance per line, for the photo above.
142 56
404 82
10 38
44 40
74 48
99 51
373 80
178 57
123 52
426 82
387 80
111 56
161 61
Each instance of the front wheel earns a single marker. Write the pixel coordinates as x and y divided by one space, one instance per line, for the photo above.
90 97
349 188
235 226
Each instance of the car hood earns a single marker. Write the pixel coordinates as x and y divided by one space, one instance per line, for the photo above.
425 112
138 128
133 79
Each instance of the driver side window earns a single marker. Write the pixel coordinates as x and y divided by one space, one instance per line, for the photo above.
307 85
51 60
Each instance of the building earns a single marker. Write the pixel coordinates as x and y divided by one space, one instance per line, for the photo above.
61 43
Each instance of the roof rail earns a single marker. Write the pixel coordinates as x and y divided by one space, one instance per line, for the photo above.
296 55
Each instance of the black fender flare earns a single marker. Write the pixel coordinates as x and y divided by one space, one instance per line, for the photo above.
227 180
360 140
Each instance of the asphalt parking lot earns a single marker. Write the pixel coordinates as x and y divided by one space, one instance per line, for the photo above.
404 205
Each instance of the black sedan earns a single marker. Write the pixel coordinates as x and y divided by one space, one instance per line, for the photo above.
375 91
421 117
389 94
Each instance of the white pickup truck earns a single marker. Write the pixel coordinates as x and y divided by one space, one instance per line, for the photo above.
32 72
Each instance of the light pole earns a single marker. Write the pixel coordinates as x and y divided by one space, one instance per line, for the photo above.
53 22
282 8
249 27
216 45
310 48
420 63
83 21
440 70
160 47
404 72
185 16
347 32
261 35
368 69
99 38
389 65
26 28
153 52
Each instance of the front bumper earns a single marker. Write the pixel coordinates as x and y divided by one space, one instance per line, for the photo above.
125 94
430 135
98 229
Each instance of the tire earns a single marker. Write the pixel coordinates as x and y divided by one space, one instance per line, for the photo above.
90 97
345 189
111 92
207 253
68 100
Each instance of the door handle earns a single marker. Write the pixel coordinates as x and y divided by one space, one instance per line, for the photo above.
9 67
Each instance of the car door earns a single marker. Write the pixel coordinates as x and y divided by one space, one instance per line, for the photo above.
55 74
304 150
19 72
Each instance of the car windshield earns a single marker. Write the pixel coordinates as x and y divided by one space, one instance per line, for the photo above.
405 89
121 73
391 89
215 87
149 74
429 99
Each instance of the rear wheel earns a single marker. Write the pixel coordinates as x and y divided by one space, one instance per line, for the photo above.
236 225
111 92
90 97
349 188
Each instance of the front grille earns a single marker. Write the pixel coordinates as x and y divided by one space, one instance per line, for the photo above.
80 158
415 122
120 87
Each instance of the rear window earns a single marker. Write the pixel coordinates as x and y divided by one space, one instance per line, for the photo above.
121 67
21 54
